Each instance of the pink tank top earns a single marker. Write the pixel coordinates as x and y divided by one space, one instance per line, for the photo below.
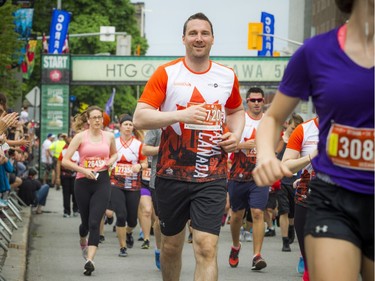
93 155
341 36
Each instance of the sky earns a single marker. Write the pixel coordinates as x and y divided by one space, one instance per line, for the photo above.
164 20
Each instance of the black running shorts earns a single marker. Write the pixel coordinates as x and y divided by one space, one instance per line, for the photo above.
285 199
179 201
336 212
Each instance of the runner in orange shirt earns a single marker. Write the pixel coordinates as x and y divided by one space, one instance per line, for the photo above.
300 150
197 103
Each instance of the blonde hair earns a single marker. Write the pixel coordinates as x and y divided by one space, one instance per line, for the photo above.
80 119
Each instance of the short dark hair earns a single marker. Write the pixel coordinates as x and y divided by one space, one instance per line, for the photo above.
33 172
254 90
345 6
11 152
197 16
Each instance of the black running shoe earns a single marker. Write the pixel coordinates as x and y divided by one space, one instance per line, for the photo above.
101 238
129 240
108 220
123 252
270 232
146 244
89 268
286 247
258 263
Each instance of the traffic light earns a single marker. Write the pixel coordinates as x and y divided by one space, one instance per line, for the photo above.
255 39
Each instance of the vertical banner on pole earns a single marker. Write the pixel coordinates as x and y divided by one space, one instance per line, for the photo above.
268 21
54 110
58 31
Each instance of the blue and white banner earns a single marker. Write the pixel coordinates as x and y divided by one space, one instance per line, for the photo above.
268 21
58 31
23 19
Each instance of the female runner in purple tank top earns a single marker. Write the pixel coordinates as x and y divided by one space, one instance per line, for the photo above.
335 69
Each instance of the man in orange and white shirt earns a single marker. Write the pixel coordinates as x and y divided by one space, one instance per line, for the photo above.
243 192
201 114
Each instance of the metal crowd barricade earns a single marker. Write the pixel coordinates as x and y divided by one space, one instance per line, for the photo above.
9 214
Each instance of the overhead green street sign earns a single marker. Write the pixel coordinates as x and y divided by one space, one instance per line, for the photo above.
137 70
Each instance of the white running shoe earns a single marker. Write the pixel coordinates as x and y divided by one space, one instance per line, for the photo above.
242 237
248 237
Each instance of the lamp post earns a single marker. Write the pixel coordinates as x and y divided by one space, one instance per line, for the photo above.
143 11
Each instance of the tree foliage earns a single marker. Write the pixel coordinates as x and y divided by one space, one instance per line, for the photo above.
87 17
10 48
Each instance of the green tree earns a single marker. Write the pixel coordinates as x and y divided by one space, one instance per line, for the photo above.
9 54
87 17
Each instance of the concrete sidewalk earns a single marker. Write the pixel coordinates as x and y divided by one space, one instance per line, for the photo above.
14 268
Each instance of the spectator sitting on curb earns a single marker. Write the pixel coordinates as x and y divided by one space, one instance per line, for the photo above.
32 192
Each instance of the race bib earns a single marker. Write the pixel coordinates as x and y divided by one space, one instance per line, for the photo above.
251 152
95 163
351 147
124 170
214 118
146 174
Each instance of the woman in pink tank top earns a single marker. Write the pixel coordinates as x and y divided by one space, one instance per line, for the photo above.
97 153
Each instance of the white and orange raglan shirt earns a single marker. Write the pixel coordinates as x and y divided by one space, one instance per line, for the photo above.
244 160
190 152
122 175
304 139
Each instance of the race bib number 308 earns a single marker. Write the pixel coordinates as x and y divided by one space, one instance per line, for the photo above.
351 147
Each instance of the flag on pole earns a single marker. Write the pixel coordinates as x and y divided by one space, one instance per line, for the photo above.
109 104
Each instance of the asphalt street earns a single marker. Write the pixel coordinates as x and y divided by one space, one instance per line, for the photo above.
54 254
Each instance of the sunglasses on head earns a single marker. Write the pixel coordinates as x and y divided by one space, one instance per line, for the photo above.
255 100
